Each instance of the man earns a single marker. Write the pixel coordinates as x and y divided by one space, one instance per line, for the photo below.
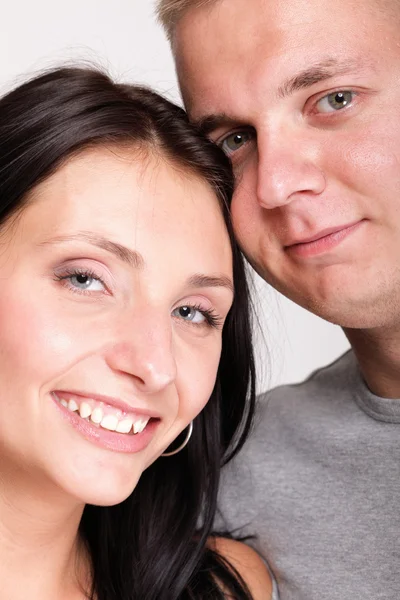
304 96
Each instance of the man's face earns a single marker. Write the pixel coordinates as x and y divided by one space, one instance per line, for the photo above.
304 95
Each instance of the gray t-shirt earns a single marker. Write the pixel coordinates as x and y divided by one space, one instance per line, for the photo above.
319 484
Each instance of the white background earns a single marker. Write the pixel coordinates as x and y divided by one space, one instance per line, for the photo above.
123 36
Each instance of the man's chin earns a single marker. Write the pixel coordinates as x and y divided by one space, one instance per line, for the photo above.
350 312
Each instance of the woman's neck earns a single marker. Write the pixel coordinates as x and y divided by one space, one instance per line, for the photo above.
40 552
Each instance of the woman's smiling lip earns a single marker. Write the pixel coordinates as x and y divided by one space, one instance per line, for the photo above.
323 241
114 402
109 440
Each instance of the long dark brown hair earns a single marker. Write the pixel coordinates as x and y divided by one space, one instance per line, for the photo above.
152 546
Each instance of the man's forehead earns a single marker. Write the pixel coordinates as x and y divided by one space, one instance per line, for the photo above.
193 8
209 40
210 27
235 43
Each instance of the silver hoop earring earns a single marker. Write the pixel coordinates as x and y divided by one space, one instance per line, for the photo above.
184 443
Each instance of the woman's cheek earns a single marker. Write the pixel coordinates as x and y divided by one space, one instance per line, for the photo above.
35 338
197 371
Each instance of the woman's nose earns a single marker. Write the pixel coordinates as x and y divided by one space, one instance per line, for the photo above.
144 352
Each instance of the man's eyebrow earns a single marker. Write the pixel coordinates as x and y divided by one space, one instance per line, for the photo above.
208 124
131 257
319 72
202 281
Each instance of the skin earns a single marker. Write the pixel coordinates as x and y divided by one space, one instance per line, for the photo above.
305 162
248 563
123 338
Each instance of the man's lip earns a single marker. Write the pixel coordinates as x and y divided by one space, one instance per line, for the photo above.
114 402
321 234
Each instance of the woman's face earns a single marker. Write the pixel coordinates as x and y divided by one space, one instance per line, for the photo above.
115 282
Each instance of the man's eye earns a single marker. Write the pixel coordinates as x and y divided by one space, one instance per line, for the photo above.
335 101
235 141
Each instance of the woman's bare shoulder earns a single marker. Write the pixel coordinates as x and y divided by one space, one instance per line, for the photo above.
248 564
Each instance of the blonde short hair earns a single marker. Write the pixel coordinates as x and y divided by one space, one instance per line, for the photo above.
169 12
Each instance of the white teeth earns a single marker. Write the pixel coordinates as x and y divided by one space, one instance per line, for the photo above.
112 422
85 410
109 422
72 405
140 425
124 426
144 423
97 416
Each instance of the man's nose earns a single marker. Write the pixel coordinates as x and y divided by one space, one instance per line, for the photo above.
143 351
288 167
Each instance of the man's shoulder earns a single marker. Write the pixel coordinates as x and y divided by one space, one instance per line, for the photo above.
289 416
330 375
336 376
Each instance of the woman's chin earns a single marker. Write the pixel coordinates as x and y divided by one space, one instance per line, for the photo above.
106 490
107 497
108 494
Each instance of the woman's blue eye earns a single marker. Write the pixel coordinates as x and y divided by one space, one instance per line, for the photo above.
335 101
189 313
235 141
84 281
81 281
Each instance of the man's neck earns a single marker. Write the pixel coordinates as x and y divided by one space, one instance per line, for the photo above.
39 546
378 354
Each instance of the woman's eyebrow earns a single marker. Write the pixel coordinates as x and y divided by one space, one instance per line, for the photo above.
131 257
135 259
201 281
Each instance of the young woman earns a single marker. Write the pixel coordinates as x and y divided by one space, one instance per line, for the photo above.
126 372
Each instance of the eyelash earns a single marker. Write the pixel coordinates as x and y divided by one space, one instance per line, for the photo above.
315 100
249 131
75 272
212 318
